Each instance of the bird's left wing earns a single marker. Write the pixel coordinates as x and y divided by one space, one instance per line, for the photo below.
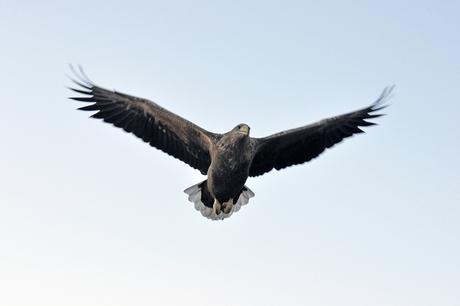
147 120
300 145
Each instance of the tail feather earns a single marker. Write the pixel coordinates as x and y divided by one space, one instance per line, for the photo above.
195 196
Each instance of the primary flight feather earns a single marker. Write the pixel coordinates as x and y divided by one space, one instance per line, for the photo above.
227 159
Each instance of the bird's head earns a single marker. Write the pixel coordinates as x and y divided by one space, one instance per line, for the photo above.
242 128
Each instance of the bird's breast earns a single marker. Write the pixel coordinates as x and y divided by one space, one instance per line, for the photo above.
228 171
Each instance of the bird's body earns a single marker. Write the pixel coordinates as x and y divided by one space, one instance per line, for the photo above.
231 158
227 159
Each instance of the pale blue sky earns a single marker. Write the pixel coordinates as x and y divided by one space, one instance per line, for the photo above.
90 215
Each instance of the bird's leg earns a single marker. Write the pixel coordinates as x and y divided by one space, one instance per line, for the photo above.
216 207
227 206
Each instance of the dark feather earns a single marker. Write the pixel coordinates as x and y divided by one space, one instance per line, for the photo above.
303 144
150 122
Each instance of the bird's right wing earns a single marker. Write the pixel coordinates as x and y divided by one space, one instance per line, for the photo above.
300 145
147 120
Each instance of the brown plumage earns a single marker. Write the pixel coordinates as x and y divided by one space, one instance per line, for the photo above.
228 159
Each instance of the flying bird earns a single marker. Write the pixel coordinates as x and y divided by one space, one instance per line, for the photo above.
227 159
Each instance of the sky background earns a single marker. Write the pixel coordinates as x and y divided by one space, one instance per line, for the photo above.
91 215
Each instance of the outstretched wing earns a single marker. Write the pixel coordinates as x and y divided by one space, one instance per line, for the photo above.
300 145
147 120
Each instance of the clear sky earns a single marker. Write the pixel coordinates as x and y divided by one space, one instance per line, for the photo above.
91 215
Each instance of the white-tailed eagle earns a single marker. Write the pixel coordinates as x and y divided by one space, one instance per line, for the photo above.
227 159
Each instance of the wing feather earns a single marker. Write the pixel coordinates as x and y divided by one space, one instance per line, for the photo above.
300 145
150 122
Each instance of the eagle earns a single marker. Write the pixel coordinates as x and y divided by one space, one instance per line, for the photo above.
227 159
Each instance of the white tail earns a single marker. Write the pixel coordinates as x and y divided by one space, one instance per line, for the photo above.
194 196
